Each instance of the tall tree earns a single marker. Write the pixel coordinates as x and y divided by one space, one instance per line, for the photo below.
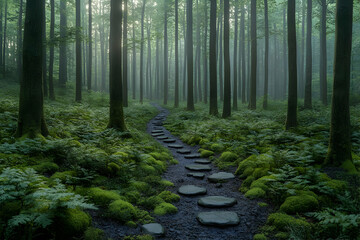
308 70
266 87
284 55
205 58
340 138
291 120
4 40
89 68
78 51
220 58
176 53
1 32
133 54
31 122
323 54
19 39
44 72
190 60
148 65
252 100
235 69
125 56
142 54
51 60
116 119
243 39
166 68
227 84
62 45
212 61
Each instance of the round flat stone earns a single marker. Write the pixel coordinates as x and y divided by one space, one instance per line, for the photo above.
184 151
156 131
170 140
158 128
218 218
198 167
202 161
217 201
162 137
175 146
196 155
221 177
154 229
157 134
196 175
191 190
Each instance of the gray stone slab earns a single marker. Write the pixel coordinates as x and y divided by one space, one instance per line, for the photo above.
202 161
218 218
221 177
170 140
191 190
184 151
157 134
162 138
217 201
153 229
195 155
178 146
196 175
198 167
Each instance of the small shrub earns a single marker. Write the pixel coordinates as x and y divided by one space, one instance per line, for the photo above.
165 208
122 211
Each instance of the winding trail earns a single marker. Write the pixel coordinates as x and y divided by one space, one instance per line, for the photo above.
184 225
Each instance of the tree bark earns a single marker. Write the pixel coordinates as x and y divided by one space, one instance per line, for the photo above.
1 33
308 81
212 61
266 81
291 120
190 67
44 71
340 137
116 120
89 69
176 104
62 46
51 60
252 102
19 40
166 68
125 56
4 44
243 65
78 52
31 122
142 54
235 69
134 58
148 69
323 54
227 84
205 58
284 56
221 59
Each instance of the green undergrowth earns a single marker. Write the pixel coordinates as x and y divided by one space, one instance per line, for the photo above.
119 174
282 167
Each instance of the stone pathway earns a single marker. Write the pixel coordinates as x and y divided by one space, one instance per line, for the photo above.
223 214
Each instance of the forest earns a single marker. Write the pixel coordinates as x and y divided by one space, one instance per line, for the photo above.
179 119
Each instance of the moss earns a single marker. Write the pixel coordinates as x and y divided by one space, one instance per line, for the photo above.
255 193
46 167
349 166
262 182
337 185
151 161
260 172
247 172
282 235
262 204
165 208
174 161
151 202
306 192
63 176
299 204
102 197
139 186
194 140
206 153
255 161
139 237
282 221
121 154
113 169
257 184
145 169
163 156
132 196
71 223
166 183
131 224
94 234
169 197
216 147
247 182
122 211
228 157
260 236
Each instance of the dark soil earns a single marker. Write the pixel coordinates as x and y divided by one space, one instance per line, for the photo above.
184 225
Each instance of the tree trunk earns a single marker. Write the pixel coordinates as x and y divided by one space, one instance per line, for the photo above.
148 70
51 60
166 80
243 64
134 58
185 56
96 62
205 58
102 51
323 54
62 46
266 81
221 60
44 71
308 81
78 52
249 60
142 54
19 40
5 31
190 67
31 122
235 69
198 62
125 56
1 33
89 69
227 84
252 102
212 61
291 120
340 137
284 56
116 120
176 104
157 67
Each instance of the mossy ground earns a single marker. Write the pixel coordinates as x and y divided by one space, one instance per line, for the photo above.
118 172
282 167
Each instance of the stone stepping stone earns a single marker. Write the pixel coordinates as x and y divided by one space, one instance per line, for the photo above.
153 229
198 167
191 190
175 146
157 131
184 151
196 175
157 134
217 201
158 128
196 155
218 218
170 140
221 177
202 161
162 137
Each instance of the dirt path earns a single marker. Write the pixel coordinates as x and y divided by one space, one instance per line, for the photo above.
184 224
